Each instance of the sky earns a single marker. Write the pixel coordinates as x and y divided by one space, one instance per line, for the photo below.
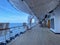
9 14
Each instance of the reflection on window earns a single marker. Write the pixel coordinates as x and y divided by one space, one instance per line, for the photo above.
52 23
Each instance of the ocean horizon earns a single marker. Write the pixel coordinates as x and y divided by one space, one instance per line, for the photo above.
15 24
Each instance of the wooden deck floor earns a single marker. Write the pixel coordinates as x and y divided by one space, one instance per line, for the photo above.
37 36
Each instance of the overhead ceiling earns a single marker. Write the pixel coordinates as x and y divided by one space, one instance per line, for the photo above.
37 7
41 7
20 5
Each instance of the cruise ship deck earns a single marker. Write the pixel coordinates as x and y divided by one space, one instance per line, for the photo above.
37 36
29 22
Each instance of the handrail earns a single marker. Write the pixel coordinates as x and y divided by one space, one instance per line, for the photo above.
9 28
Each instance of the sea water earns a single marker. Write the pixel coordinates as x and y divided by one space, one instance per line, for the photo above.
15 24
17 30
